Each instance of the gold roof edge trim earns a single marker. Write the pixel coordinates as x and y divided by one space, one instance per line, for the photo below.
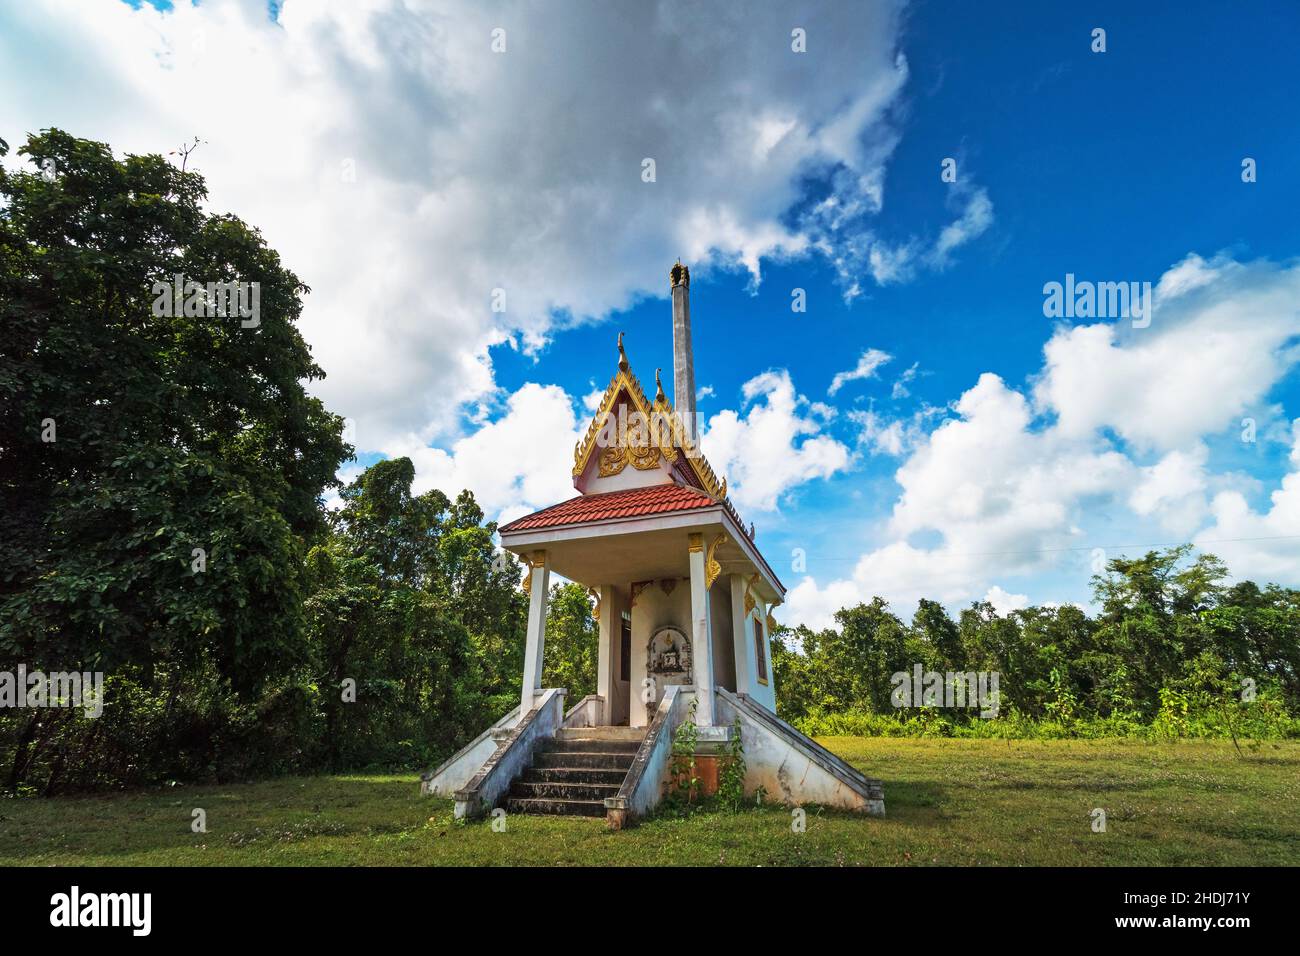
624 379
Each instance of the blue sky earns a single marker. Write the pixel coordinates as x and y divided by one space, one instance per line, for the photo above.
1110 166
405 169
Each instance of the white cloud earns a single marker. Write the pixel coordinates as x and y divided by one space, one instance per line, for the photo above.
522 461
814 607
1264 546
1117 432
975 218
868 362
900 389
514 465
773 446
1173 489
854 247
1212 353
1003 602
474 170
892 436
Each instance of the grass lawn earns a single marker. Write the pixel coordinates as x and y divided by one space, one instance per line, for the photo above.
949 802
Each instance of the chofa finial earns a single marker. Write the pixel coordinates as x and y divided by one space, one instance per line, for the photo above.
622 356
659 386
679 275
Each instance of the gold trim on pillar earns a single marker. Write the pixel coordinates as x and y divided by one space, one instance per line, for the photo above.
771 621
595 611
750 601
535 560
696 543
711 567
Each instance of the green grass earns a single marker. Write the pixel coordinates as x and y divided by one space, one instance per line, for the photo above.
949 802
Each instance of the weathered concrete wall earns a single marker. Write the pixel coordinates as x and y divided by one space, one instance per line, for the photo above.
792 768
588 712
644 786
511 757
655 609
458 770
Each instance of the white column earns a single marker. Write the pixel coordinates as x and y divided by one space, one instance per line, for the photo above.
701 638
539 572
609 622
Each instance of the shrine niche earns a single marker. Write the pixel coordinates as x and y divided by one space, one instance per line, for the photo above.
669 658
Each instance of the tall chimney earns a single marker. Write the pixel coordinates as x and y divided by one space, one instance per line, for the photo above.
683 359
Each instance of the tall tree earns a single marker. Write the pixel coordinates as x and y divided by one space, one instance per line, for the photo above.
160 467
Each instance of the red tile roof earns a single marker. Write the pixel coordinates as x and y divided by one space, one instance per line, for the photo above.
629 503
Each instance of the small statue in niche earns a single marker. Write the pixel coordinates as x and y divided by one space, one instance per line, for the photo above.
669 653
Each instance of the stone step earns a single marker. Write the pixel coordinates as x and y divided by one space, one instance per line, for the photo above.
572 808
563 791
601 733
583 745
576 759
572 775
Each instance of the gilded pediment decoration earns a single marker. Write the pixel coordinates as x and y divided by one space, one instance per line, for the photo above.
666 439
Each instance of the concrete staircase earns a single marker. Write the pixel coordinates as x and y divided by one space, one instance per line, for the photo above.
574 772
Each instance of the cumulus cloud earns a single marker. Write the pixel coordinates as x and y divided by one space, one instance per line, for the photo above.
521 460
516 464
1004 602
1264 545
1173 489
405 170
774 444
1218 341
1117 418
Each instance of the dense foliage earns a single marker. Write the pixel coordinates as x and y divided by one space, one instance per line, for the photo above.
159 474
1173 649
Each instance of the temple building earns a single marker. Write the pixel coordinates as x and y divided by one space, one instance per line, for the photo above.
683 598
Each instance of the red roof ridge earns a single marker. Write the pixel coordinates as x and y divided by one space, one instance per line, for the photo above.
623 503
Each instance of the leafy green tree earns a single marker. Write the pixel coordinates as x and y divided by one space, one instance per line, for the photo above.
935 631
158 473
404 597
791 666
853 667
572 638
1150 614
161 469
